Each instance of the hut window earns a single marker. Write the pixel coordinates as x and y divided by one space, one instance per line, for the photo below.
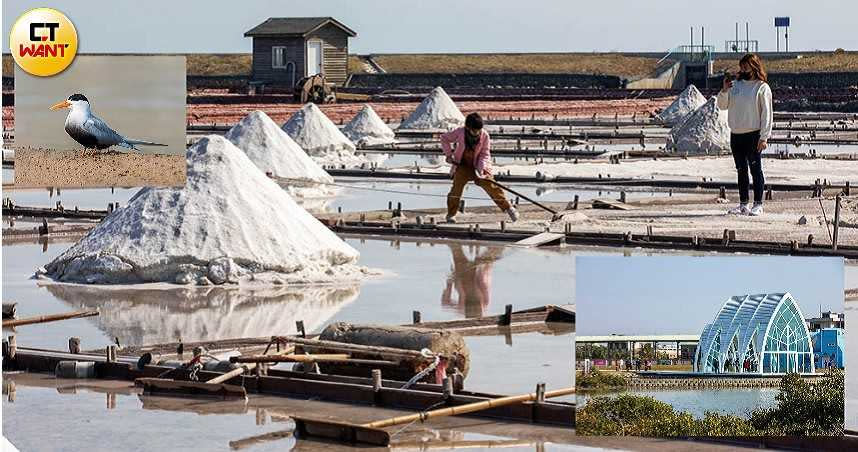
278 57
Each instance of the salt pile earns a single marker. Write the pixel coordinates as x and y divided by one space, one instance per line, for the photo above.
367 129
320 137
228 224
686 103
437 111
273 151
703 131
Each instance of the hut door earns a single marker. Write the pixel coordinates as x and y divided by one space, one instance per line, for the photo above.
314 57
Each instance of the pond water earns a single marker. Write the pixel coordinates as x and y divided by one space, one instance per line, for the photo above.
442 280
111 415
354 195
736 401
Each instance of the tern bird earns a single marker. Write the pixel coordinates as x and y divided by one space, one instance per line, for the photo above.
90 130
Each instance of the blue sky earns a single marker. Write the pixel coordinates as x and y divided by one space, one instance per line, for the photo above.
453 26
680 294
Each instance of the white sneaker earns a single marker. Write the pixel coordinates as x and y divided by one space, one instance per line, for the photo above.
513 214
741 209
756 210
451 219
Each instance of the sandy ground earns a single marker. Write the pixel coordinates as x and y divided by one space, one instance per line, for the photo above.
87 168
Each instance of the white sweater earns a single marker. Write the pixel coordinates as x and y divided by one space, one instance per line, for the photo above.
749 107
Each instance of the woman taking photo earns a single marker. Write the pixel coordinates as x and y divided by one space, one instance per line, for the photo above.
748 101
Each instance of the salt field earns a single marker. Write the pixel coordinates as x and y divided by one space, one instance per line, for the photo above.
360 247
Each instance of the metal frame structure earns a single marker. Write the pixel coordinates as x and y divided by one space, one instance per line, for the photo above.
756 334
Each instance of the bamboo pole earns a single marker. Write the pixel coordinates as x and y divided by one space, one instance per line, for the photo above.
289 358
346 347
48 318
467 408
231 374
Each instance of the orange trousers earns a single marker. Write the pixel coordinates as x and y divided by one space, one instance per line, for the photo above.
461 177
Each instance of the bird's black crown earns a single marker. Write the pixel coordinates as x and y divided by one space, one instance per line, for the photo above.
78 97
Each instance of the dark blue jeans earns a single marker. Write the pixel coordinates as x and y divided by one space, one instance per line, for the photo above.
744 148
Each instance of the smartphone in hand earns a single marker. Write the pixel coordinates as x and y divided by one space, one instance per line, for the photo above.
728 80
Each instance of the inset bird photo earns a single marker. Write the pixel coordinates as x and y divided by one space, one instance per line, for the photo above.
106 121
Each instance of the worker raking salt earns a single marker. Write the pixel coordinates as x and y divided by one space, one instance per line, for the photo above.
748 102
468 151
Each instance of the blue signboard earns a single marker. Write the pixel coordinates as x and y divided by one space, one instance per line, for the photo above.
782 21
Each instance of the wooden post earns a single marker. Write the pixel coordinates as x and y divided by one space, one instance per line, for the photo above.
415 317
836 222
376 380
74 345
12 346
111 353
300 326
540 393
506 318
447 384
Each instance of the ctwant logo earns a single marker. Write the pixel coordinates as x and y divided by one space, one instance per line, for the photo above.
43 41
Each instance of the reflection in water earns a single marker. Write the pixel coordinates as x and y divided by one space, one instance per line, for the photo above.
157 315
471 278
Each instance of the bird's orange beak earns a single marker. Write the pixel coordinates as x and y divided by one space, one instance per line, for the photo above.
63 104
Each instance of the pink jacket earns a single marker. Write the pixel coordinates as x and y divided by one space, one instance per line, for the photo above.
482 154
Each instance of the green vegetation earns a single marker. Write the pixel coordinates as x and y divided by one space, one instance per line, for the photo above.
580 63
599 380
630 67
803 408
644 416
218 63
837 61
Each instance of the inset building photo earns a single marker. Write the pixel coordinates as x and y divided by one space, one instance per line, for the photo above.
709 346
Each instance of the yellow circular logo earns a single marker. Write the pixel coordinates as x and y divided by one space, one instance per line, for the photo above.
43 41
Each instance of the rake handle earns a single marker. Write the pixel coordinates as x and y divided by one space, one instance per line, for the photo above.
536 203
467 408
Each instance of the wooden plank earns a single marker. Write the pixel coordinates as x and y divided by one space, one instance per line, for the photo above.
543 238
611 204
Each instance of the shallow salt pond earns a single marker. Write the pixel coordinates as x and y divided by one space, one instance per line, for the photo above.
354 195
443 280
111 415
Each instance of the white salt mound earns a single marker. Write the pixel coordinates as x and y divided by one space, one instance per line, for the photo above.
367 129
437 111
273 151
228 224
686 103
704 131
320 137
